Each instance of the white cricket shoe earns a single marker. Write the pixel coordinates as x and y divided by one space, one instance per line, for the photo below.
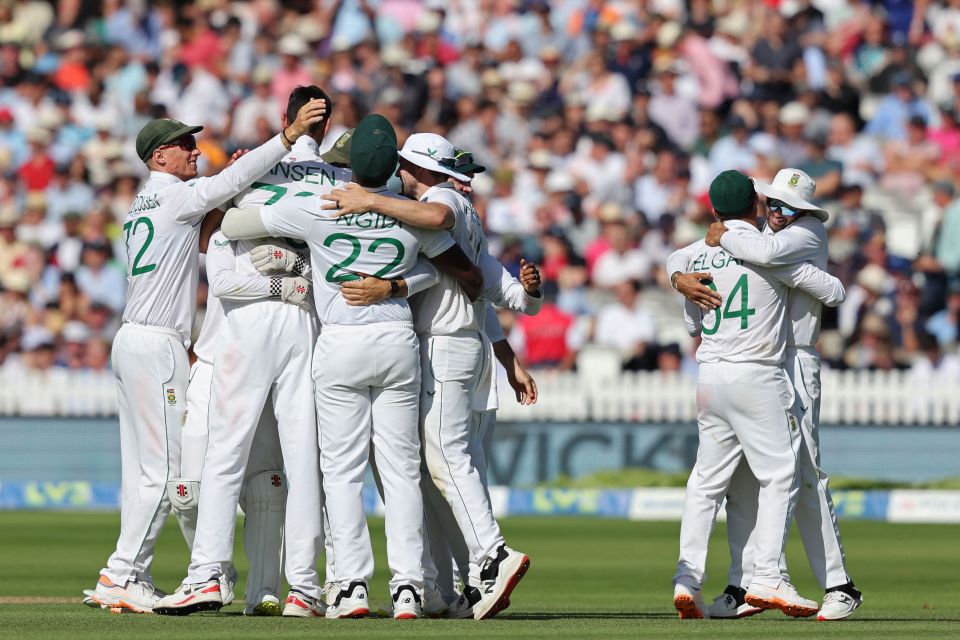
133 597
406 603
351 602
783 597
838 605
191 598
265 604
498 578
730 604
227 580
90 599
300 605
689 603
434 605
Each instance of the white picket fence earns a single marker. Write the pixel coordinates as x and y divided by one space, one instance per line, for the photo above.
602 395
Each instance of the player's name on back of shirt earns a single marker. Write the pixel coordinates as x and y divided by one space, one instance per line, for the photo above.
145 202
713 258
368 220
301 171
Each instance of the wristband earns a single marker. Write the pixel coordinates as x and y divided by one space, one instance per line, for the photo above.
283 134
276 287
673 279
394 288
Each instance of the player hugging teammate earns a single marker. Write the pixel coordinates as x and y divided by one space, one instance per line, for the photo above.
345 324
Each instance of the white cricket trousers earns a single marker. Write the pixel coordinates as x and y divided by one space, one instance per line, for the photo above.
744 411
263 514
815 514
367 380
151 368
452 367
264 353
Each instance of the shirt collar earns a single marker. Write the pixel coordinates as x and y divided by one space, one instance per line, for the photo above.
435 188
740 224
306 144
162 176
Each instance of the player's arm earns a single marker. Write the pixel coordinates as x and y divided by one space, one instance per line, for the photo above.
504 290
355 199
455 262
797 243
371 290
225 282
288 218
211 222
522 383
689 284
692 318
244 224
193 199
818 283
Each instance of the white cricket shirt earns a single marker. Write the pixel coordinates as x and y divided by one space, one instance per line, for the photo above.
340 248
445 309
162 233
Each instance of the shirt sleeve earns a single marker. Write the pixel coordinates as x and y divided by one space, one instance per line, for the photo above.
799 242
679 260
492 326
433 243
818 283
692 318
192 200
288 218
225 282
423 276
502 289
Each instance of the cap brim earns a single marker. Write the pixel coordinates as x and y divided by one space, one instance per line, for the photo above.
336 157
790 199
473 168
180 132
425 161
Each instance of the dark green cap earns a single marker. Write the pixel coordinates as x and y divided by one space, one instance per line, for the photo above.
731 192
373 151
157 133
339 153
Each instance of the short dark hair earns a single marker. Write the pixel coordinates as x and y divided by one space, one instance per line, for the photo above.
301 96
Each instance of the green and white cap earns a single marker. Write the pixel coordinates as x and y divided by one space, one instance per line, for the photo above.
433 152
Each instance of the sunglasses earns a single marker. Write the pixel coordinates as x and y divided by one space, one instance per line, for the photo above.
187 144
777 206
460 159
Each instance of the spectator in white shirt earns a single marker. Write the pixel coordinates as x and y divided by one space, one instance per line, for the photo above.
629 328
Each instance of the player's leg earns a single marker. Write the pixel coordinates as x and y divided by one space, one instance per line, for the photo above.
396 445
294 407
718 454
439 588
815 514
263 499
763 412
451 366
152 371
184 491
741 510
341 373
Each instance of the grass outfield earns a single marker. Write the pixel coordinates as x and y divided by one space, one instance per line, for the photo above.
589 578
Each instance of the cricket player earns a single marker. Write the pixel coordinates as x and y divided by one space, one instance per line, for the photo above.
263 496
794 233
747 407
265 350
453 354
150 350
365 371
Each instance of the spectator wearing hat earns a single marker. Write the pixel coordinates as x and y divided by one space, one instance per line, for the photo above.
792 148
292 73
72 353
39 349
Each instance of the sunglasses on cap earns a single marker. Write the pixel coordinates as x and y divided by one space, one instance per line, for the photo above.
460 159
778 206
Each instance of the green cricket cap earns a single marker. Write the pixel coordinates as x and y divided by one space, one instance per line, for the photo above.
731 192
373 150
339 153
157 133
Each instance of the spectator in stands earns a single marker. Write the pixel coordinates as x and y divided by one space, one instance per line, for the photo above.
622 259
72 354
933 366
39 350
628 327
945 324
860 156
550 338
98 279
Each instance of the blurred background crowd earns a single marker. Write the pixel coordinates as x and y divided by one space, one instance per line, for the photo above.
601 124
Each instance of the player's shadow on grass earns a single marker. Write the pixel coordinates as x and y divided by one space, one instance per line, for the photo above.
589 615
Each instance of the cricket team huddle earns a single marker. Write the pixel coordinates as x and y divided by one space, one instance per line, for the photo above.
348 325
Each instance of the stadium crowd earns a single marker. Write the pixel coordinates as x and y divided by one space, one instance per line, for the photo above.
601 124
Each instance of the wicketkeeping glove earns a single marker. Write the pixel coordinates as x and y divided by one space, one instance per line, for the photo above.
268 258
290 290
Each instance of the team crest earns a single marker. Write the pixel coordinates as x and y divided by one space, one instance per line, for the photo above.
794 180
171 397
793 423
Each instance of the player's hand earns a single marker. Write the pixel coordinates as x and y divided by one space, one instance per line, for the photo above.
463 187
268 258
367 290
310 114
713 234
690 285
523 384
351 199
292 290
529 277
239 153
